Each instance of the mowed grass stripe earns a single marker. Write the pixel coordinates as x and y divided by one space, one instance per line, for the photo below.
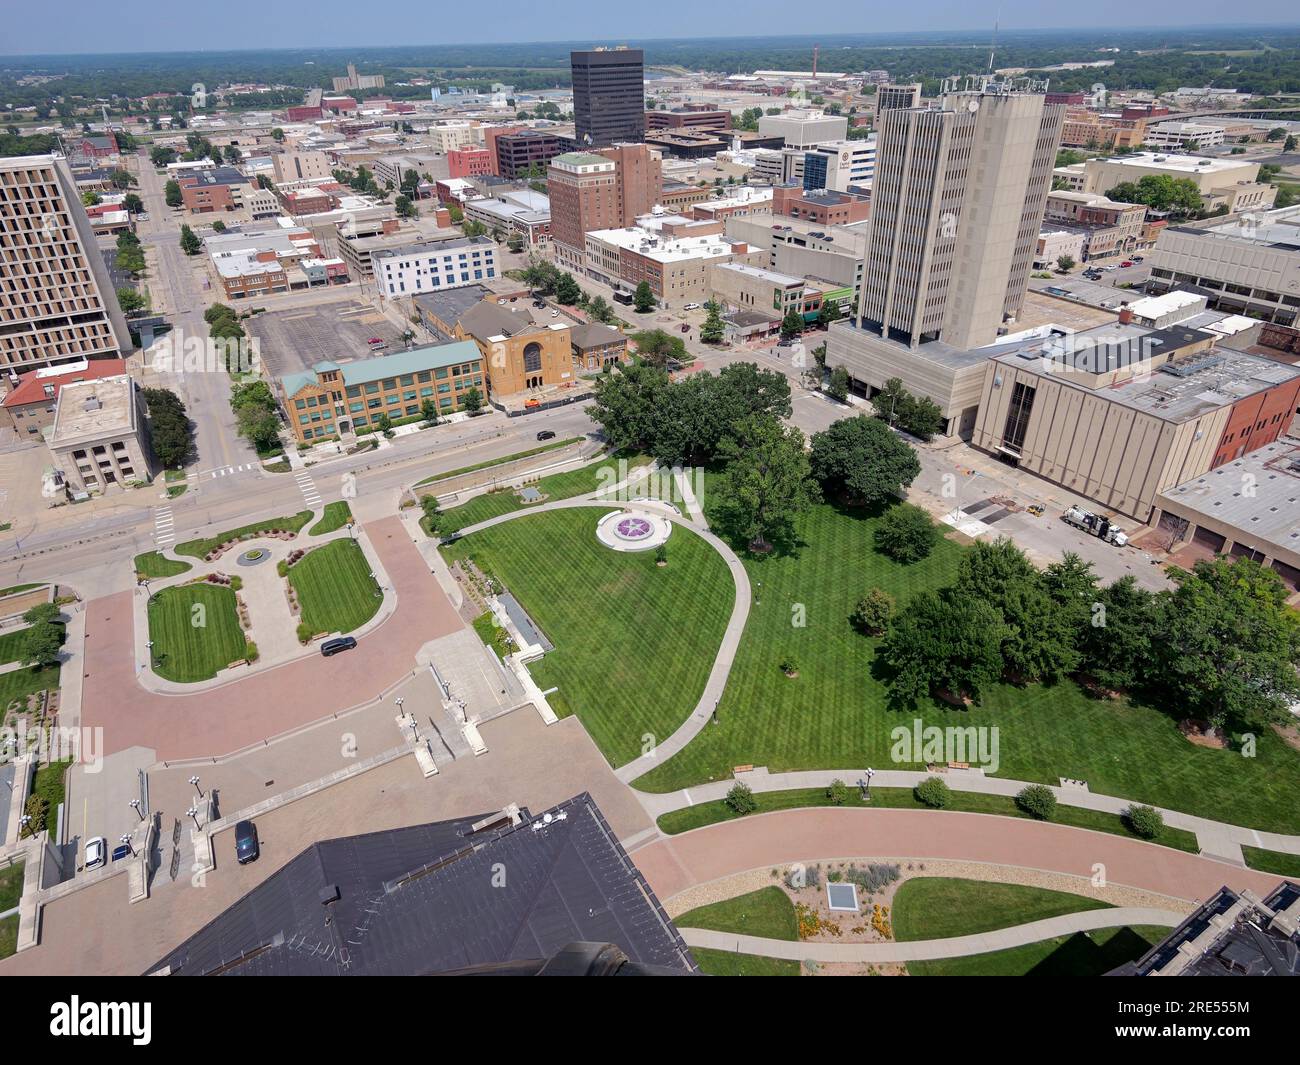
186 652
835 714
634 642
335 590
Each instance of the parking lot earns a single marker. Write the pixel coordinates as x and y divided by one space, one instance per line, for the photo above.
295 339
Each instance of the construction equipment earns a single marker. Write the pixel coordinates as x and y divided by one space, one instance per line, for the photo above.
1095 524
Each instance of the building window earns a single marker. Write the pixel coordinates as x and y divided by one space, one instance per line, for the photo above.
532 358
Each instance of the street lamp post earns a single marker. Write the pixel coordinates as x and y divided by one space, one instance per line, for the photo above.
193 814
194 783
125 838
135 805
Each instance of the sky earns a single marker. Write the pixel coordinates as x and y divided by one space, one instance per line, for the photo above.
168 25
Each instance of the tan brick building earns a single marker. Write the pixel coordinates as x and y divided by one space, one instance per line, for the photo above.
99 437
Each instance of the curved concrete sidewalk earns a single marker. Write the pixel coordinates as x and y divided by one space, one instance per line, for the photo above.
1214 838
726 655
673 864
928 949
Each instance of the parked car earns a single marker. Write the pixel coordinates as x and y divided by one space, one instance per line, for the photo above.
691 307
541 304
339 643
246 845
1127 263
1137 258
555 314
546 434
531 403
376 342
96 853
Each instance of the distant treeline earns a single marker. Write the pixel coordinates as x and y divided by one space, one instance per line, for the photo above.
1257 61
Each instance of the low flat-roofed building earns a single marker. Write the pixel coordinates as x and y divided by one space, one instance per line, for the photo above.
1110 229
1212 512
1249 264
1120 413
521 211
30 404
755 288
433 265
99 436
1222 182
335 400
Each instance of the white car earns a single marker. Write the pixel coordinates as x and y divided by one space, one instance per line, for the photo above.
96 853
691 307
555 314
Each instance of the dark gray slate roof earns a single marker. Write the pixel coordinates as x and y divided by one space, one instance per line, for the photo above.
435 897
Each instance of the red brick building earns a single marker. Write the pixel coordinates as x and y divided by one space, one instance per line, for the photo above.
469 162
825 208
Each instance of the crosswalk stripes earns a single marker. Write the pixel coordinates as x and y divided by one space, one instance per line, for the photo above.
226 471
308 488
164 531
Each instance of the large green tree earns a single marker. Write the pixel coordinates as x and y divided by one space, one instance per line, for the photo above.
643 299
943 643
767 482
169 427
1227 644
1115 643
860 460
626 401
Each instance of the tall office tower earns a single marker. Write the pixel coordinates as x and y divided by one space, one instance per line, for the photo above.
608 96
57 301
604 189
893 97
956 206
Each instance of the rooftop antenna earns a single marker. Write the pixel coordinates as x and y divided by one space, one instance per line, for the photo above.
993 45
816 47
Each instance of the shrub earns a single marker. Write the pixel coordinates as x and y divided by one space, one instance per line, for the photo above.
304 632
803 876
873 878
741 799
933 792
872 614
837 793
1038 801
1144 821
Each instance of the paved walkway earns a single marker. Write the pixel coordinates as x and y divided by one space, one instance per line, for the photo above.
928 949
726 655
1215 839
266 704
767 841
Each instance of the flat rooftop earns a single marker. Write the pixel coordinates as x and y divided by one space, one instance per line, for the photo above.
1184 164
1270 514
454 244
1279 229
758 273
94 408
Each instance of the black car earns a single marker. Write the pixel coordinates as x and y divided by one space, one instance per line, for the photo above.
339 643
546 434
246 848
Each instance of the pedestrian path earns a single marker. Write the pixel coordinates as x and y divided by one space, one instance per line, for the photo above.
927 949
164 528
308 488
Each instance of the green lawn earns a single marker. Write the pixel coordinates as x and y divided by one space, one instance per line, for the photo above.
552 446
937 907
492 634
337 515
1082 954
49 781
726 963
556 486
633 642
708 813
15 588
1279 862
336 591
834 713
200 548
184 651
154 564
12 644
11 885
20 683
767 912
